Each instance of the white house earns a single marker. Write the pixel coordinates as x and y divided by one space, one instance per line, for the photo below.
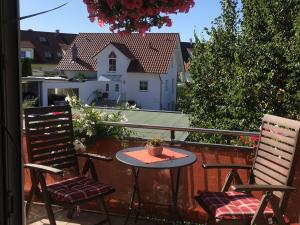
141 69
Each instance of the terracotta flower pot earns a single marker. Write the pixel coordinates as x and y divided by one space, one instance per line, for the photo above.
155 150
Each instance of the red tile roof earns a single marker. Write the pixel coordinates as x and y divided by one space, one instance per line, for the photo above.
53 43
26 44
150 54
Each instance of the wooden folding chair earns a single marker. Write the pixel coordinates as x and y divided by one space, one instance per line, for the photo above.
50 136
272 173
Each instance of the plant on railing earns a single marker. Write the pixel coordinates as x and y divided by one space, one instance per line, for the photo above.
128 16
88 122
249 140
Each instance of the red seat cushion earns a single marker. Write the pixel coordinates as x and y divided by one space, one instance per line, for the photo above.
232 205
77 189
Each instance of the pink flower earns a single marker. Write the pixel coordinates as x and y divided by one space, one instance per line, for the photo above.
100 22
126 16
111 3
168 21
254 138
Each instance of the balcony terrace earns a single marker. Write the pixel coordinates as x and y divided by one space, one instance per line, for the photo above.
155 184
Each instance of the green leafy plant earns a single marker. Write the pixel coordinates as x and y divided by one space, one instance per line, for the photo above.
80 77
155 142
26 67
29 102
88 122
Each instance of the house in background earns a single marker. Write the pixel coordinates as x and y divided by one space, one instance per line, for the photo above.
137 69
187 54
45 49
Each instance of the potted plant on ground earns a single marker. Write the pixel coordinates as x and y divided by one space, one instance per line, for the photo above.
155 146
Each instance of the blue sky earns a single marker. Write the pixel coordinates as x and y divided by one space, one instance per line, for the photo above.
72 18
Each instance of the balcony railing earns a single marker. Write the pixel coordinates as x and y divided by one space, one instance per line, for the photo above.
154 184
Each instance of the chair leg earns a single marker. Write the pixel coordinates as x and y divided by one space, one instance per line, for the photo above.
258 218
277 212
210 221
47 200
103 204
33 190
70 213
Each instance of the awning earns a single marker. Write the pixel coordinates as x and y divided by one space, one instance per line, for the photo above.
107 78
103 78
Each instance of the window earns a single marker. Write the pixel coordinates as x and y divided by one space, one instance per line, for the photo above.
23 54
43 39
112 62
48 55
143 85
117 88
167 85
106 87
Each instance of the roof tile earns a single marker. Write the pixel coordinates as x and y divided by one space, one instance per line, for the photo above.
151 53
54 43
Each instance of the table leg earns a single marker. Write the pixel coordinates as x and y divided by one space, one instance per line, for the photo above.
175 188
135 191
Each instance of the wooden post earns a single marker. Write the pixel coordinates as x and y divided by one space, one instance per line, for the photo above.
11 190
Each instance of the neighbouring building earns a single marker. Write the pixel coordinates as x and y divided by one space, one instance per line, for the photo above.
45 49
187 54
137 69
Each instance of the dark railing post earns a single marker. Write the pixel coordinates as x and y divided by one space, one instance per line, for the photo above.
172 135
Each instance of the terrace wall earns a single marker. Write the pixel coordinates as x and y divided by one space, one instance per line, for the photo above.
155 184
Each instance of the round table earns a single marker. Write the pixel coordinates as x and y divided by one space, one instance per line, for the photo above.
170 164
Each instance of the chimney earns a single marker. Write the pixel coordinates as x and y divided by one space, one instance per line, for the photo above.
74 53
57 31
191 42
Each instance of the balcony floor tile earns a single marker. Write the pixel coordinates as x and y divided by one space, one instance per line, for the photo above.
38 216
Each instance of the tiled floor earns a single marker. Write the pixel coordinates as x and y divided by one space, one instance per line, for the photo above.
38 216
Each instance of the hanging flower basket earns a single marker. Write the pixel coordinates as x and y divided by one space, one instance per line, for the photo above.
127 16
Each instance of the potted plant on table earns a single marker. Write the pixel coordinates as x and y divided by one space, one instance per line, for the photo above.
155 146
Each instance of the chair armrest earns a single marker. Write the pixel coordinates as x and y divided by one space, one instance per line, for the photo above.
232 166
44 169
94 156
258 187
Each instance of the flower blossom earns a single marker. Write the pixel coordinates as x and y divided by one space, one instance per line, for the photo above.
127 16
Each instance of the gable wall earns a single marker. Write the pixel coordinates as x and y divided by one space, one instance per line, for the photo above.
103 62
145 99
169 82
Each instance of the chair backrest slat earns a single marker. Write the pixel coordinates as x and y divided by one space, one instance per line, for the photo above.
50 136
275 158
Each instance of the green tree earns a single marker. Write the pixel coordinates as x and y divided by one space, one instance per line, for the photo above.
26 67
212 72
268 65
246 68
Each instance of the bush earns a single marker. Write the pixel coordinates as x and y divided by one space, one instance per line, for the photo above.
88 122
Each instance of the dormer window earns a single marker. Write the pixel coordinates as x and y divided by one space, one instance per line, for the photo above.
112 62
48 55
43 39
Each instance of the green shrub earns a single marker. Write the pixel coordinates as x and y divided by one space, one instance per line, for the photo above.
88 122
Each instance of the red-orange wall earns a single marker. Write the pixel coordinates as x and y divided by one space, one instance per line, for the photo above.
155 184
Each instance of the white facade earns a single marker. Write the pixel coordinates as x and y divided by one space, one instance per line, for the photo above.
120 85
85 89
